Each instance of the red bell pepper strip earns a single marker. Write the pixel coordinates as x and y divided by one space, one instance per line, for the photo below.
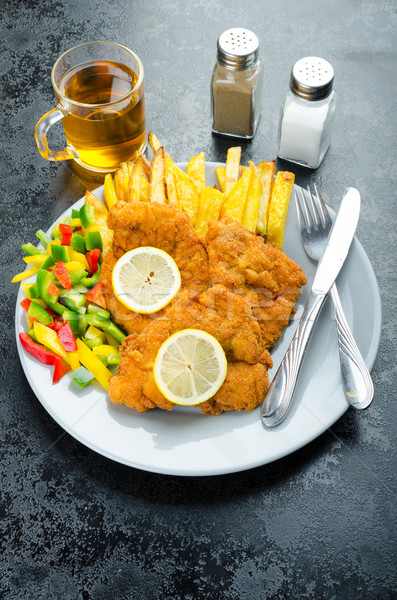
92 258
60 369
67 338
55 326
61 273
53 290
25 303
66 232
45 356
96 296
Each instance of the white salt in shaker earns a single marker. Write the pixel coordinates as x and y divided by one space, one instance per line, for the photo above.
307 115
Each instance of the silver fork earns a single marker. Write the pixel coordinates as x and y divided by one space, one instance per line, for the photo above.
315 225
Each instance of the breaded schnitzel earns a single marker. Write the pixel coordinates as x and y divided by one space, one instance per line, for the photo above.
217 311
264 275
234 286
162 226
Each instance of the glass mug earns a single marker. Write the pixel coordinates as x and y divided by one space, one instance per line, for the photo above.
99 88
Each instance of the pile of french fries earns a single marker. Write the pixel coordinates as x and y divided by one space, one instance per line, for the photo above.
254 196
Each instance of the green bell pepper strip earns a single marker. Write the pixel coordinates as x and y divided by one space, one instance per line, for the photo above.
87 215
32 250
93 240
106 325
43 237
48 263
97 310
75 213
33 291
77 322
35 311
74 301
77 276
59 253
93 342
113 360
89 282
43 280
82 376
77 242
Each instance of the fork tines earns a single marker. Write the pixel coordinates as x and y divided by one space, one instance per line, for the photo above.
312 210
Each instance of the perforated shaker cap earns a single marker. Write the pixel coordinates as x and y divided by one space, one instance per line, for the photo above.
238 49
312 78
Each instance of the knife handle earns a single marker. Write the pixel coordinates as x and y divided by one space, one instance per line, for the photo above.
356 380
279 396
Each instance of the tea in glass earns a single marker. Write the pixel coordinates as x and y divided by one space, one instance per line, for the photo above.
101 103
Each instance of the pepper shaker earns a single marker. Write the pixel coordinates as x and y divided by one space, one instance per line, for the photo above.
307 115
237 84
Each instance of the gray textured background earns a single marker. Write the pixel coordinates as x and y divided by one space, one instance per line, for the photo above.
320 523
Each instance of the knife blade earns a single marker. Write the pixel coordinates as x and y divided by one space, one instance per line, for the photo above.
280 393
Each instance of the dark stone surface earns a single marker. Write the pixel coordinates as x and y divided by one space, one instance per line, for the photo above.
320 523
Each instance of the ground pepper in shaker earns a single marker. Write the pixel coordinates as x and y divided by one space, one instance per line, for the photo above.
307 115
237 84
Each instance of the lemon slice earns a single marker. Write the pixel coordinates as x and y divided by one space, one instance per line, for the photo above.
190 367
146 279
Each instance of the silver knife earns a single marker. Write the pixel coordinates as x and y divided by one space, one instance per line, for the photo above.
279 396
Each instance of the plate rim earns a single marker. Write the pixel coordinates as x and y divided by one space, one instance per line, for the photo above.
369 359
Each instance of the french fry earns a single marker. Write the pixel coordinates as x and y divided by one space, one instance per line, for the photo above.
138 185
281 194
266 173
196 170
157 177
153 142
170 183
251 208
232 168
119 186
109 191
188 194
235 202
221 174
211 201
156 145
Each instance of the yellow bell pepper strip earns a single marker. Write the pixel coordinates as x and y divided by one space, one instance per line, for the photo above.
93 332
25 274
93 364
76 256
104 349
49 339
37 258
75 222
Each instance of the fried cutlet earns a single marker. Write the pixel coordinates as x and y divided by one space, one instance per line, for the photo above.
162 226
222 314
262 274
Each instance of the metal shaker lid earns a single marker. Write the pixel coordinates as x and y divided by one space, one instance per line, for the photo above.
312 78
238 49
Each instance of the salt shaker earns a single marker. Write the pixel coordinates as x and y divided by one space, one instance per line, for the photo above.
237 84
307 115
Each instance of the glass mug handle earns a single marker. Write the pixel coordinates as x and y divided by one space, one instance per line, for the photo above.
43 125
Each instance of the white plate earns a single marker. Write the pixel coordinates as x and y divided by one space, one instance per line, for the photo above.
186 442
